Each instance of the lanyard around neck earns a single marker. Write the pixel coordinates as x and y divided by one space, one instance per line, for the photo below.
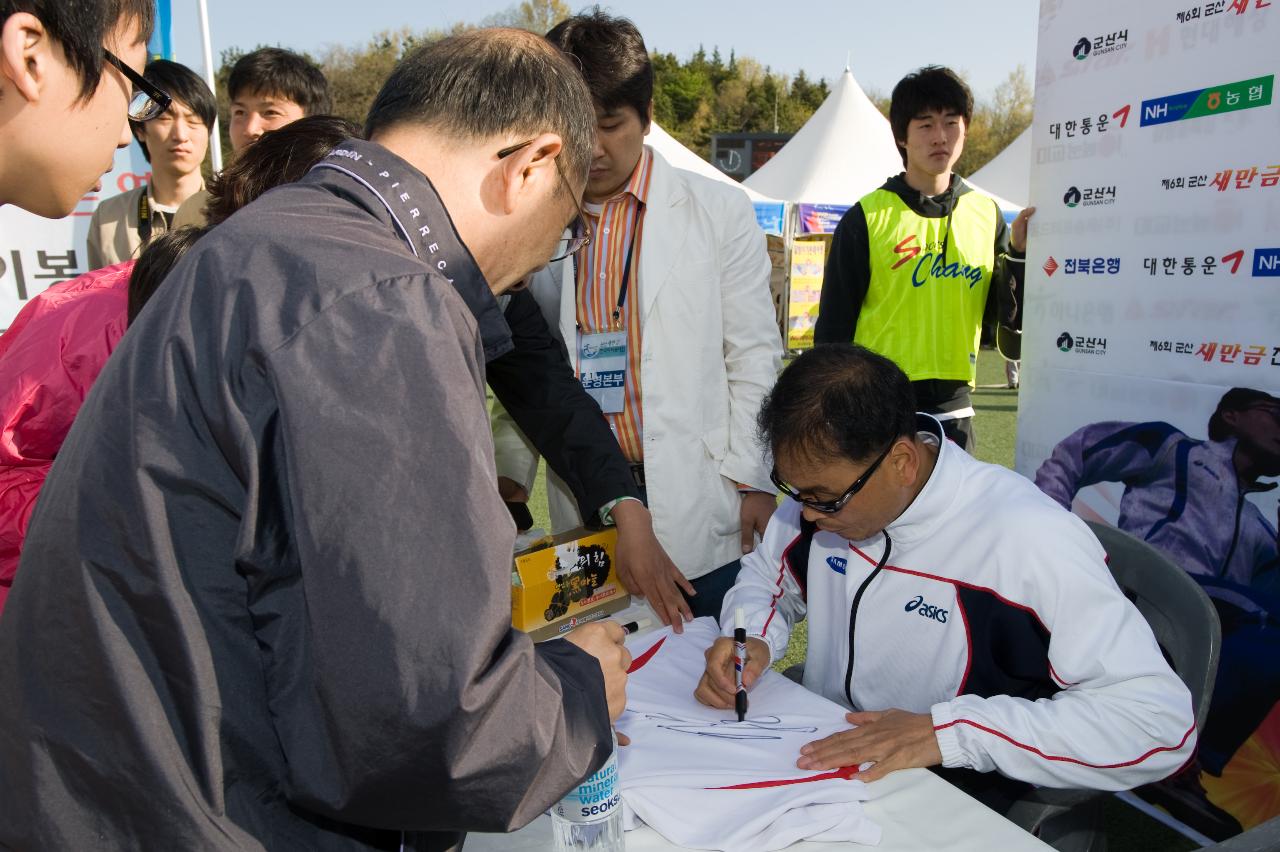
626 269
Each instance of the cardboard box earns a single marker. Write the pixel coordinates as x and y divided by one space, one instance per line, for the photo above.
570 581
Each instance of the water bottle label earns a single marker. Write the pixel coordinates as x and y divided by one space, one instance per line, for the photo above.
593 800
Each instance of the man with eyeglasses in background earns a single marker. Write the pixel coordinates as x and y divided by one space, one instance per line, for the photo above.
669 322
969 621
68 73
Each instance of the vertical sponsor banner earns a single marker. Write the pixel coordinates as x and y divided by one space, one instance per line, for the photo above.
808 258
161 44
1151 356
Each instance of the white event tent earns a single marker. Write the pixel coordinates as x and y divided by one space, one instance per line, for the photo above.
1008 176
842 152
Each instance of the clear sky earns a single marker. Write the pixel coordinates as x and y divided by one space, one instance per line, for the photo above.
882 39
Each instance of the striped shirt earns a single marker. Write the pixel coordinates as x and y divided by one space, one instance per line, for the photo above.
617 228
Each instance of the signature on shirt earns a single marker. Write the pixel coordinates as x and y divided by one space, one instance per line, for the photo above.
755 728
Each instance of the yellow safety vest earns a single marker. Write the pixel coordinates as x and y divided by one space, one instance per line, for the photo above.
921 312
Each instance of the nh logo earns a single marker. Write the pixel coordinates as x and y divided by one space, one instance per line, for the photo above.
1155 111
1266 263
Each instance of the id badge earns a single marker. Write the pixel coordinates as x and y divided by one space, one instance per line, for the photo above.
602 367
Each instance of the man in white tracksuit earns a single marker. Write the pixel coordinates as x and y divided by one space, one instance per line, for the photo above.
969 620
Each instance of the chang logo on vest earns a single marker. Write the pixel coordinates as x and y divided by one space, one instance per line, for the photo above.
918 605
932 265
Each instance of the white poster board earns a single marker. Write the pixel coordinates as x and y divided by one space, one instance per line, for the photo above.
1153 288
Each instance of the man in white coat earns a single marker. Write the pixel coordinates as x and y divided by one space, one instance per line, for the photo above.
667 317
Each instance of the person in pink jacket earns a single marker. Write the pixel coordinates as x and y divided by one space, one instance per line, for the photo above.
50 357
60 340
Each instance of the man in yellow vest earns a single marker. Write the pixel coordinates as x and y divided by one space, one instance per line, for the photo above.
913 264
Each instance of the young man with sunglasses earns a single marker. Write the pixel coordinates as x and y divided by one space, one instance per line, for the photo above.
668 321
967 620
68 73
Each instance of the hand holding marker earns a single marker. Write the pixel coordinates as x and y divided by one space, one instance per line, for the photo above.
739 662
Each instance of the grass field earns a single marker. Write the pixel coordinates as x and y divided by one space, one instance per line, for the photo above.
996 423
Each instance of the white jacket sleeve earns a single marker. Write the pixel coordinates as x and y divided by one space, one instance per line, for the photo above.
766 588
1122 719
514 453
752 342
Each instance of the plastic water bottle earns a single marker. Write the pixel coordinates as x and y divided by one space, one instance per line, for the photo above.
589 818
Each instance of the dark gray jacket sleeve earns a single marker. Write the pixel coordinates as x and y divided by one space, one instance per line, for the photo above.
401 695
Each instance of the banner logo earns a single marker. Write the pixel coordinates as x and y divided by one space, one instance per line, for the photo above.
1050 266
1081 345
1215 100
1101 45
1091 196
1266 263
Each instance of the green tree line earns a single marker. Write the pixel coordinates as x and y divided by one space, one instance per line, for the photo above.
694 98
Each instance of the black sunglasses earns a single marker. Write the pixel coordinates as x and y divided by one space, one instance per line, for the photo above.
581 232
147 101
830 507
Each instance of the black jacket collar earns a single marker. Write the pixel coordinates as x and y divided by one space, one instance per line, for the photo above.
400 196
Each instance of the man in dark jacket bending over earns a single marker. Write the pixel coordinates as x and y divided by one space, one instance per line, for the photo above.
265 596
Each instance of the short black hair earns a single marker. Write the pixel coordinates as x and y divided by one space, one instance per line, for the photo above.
611 53
184 86
280 156
838 401
158 257
1236 399
276 71
930 88
82 27
491 82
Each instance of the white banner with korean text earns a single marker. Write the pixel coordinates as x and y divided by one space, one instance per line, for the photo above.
1151 352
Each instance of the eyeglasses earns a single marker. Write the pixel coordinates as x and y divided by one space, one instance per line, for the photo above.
147 101
830 507
581 231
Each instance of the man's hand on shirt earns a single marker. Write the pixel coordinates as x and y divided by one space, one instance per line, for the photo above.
512 491
645 569
1018 231
718 686
757 508
891 739
604 641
